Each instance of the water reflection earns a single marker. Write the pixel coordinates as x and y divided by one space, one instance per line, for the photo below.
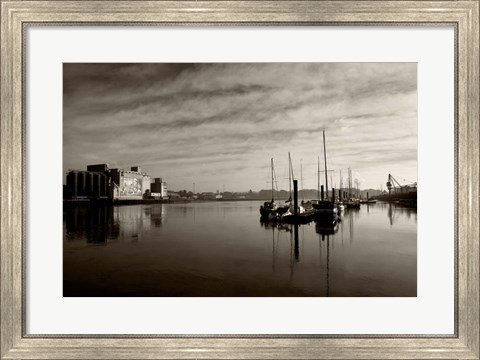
96 224
156 213
101 224
395 211
325 231
322 228
329 232
327 228
220 249
276 225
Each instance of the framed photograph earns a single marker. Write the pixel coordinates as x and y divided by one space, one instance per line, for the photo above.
223 179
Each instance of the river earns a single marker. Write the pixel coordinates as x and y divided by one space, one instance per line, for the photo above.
222 249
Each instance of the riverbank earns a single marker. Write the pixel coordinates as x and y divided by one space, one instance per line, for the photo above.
107 201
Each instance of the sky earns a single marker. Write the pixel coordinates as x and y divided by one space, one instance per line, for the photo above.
218 125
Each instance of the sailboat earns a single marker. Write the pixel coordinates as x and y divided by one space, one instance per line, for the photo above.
298 215
352 203
270 209
325 208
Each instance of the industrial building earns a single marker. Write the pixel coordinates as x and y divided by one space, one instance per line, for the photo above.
158 189
130 184
87 184
101 182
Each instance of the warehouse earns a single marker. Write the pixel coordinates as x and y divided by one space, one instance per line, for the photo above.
130 184
101 182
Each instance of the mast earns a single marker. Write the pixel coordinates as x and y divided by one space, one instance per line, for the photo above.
301 179
290 173
291 166
289 177
341 181
272 178
349 183
325 156
318 176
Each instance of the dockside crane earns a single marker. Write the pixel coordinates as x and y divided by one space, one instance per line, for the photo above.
393 184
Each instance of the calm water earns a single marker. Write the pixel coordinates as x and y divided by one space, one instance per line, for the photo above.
222 249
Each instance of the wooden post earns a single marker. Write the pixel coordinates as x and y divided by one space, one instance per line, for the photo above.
322 193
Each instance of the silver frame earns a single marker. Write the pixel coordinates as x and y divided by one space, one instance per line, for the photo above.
16 15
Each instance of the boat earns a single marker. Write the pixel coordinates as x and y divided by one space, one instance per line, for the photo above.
300 218
353 204
301 215
297 213
340 207
270 210
339 201
324 207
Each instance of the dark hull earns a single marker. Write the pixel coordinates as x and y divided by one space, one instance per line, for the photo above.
323 205
303 218
325 209
353 205
270 211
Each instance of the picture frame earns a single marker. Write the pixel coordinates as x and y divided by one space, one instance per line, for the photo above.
16 15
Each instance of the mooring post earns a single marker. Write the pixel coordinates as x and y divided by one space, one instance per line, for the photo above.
322 193
340 195
295 197
333 195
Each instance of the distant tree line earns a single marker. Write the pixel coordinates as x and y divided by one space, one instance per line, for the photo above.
307 194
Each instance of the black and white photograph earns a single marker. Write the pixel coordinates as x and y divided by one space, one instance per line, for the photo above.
240 179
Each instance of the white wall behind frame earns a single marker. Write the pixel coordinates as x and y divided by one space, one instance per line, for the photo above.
430 313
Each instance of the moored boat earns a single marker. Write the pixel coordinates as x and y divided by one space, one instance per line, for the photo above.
270 209
353 204
324 207
368 201
340 207
297 213
300 218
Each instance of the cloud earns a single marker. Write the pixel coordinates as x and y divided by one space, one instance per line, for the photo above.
221 123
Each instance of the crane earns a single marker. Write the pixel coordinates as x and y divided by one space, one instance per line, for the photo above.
392 183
